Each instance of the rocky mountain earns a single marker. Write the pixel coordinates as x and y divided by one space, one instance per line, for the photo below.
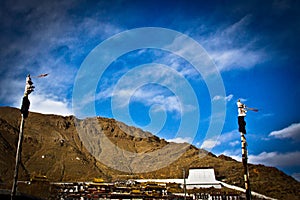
70 149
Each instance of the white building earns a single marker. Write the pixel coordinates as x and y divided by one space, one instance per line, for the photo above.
202 178
198 178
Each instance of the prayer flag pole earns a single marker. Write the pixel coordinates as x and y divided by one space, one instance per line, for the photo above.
24 114
245 164
242 110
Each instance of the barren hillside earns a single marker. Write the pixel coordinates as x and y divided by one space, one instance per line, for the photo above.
69 149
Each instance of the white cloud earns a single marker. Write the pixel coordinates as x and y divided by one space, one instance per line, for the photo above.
48 105
292 131
181 140
209 144
276 159
273 159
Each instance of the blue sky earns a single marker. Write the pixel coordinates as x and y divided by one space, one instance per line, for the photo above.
251 48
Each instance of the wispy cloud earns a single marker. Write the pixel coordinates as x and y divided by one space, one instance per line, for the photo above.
292 131
230 50
169 103
145 95
179 64
230 138
237 58
273 159
276 159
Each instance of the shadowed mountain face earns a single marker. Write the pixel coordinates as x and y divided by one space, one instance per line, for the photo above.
69 149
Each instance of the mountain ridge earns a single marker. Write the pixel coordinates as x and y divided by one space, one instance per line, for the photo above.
59 148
